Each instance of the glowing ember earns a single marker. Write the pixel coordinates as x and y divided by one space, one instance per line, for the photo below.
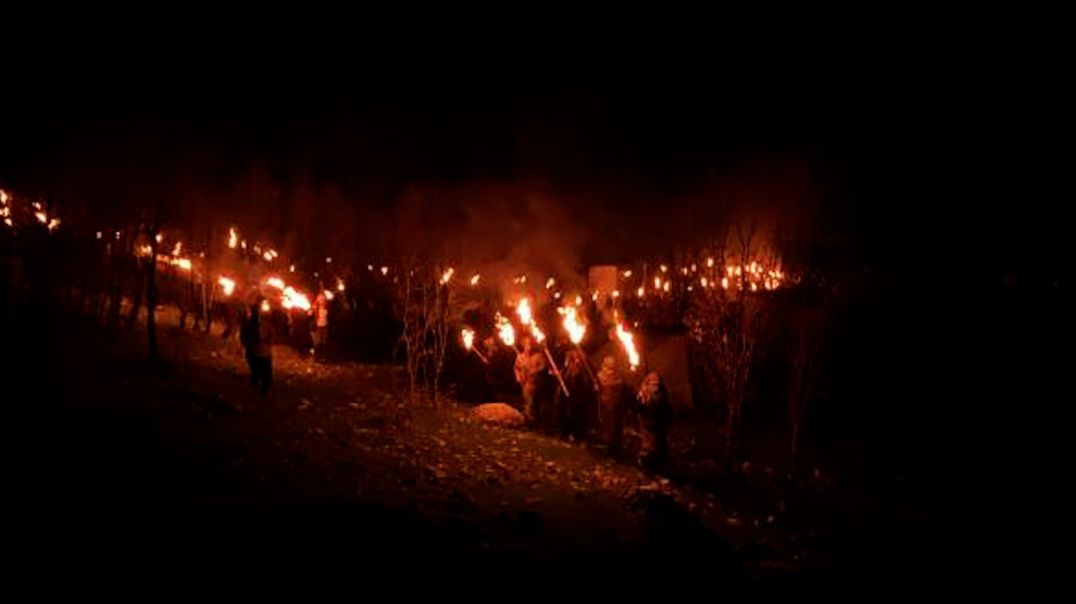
475 278
550 283
627 340
265 306
468 337
523 309
505 331
276 282
384 270
226 285
447 276
575 329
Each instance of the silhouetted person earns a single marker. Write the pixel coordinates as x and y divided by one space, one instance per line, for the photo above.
532 373
611 404
319 334
653 412
257 339
573 409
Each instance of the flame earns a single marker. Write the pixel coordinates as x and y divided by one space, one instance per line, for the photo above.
616 293
42 217
627 340
475 278
291 269
296 299
3 197
447 276
709 263
183 263
227 285
468 337
340 285
575 329
523 309
328 260
384 270
578 300
159 237
328 295
694 268
704 282
268 257
265 306
54 224
243 244
144 251
664 268
233 238
640 292
594 297
98 234
177 250
627 274
550 283
276 282
657 283
537 333
666 287
8 222
505 330
725 282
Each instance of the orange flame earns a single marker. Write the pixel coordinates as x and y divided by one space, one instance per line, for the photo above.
295 299
227 285
468 337
523 309
183 263
475 278
447 276
627 340
550 283
575 329
265 306
340 285
505 330
233 238
275 282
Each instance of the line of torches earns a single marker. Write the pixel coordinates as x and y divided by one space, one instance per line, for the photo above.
572 325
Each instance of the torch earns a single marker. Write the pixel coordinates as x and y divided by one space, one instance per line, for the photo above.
576 331
468 342
526 317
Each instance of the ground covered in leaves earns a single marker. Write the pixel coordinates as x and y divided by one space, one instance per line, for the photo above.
180 472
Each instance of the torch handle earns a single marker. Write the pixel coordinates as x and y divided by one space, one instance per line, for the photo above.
556 372
480 355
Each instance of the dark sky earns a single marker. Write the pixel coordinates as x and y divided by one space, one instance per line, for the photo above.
885 137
